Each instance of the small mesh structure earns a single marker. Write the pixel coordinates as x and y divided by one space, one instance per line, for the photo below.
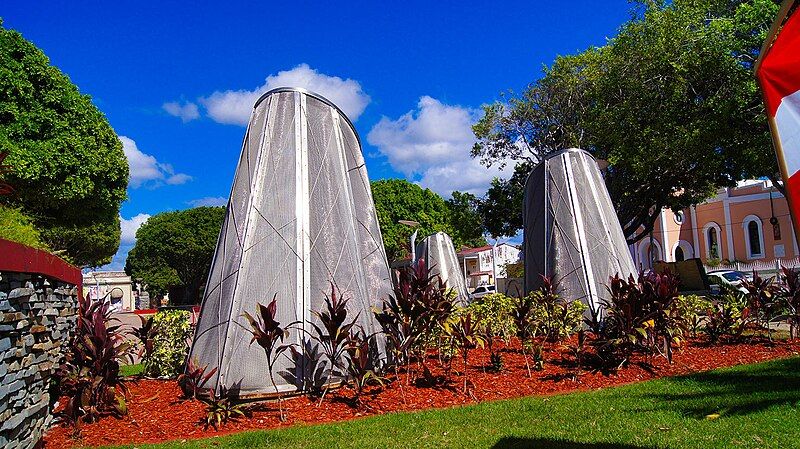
440 255
571 231
300 217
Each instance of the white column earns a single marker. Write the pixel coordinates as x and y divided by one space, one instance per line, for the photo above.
696 252
728 230
665 248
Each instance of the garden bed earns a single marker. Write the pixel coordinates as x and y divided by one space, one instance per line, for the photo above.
156 414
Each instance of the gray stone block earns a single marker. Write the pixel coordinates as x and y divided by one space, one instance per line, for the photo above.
5 344
20 292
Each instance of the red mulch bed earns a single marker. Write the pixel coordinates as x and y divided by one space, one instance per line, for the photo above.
155 414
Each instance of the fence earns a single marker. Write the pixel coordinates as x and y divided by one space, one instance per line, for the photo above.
762 267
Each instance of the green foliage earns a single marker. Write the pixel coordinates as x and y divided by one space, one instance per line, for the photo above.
169 351
66 164
554 317
176 248
17 227
493 310
397 199
223 407
501 207
465 220
726 316
693 309
670 103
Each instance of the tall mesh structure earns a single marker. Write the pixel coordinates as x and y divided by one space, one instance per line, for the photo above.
300 217
440 254
571 231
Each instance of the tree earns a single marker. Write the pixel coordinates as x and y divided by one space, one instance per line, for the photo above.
175 249
398 199
66 164
670 103
465 219
501 208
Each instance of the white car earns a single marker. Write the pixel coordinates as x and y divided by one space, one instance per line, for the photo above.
481 291
728 278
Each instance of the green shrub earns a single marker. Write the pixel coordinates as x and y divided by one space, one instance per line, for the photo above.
18 227
494 311
552 316
726 315
692 309
169 344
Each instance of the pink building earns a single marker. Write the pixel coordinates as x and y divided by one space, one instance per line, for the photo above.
736 225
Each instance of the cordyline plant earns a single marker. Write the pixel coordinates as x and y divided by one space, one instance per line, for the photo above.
333 334
145 334
360 368
639 316
415 312
90 377
467 336
761 300
222 407
192 382
522 314
726 314
269 334
790 297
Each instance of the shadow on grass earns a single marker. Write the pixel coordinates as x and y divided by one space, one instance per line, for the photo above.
545 443
731 393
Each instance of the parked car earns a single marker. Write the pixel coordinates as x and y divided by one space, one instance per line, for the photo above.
728 278
481 291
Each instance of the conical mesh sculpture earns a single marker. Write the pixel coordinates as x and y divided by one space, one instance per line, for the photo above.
440 254
300 217
571 232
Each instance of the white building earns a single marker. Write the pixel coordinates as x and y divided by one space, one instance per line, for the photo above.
99 284
480 266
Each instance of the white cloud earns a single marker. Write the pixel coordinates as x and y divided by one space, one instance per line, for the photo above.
432 144
128 239
130 226
209 201
234 106
145 169
187 111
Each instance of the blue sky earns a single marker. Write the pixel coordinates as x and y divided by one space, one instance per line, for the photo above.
176 81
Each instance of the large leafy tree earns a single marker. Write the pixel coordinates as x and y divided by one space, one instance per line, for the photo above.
670 103
175 249
398 199
66 164
465 219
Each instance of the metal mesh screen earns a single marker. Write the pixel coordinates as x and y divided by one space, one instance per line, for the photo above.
300 218
571 232
440 255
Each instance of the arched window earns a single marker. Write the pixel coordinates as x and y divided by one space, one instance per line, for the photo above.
679 257
712 234
753 237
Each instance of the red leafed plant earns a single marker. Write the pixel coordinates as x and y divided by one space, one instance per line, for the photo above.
90 378
193 381
269 334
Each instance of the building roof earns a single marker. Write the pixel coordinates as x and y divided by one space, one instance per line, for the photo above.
469 251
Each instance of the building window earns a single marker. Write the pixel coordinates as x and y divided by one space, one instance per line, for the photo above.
678 217
711 232
754 237
679 257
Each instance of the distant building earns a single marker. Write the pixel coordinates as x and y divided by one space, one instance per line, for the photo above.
99 284
478 264
748 223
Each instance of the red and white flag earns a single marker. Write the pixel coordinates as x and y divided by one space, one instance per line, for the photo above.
779 76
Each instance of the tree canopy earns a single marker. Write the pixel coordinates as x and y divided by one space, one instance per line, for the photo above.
398 199
670 103
175 249
66 164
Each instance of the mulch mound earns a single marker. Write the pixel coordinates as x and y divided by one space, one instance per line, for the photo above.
155 413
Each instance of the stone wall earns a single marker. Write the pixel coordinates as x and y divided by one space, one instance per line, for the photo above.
37 318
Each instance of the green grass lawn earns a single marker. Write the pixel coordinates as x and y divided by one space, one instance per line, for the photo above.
757 407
